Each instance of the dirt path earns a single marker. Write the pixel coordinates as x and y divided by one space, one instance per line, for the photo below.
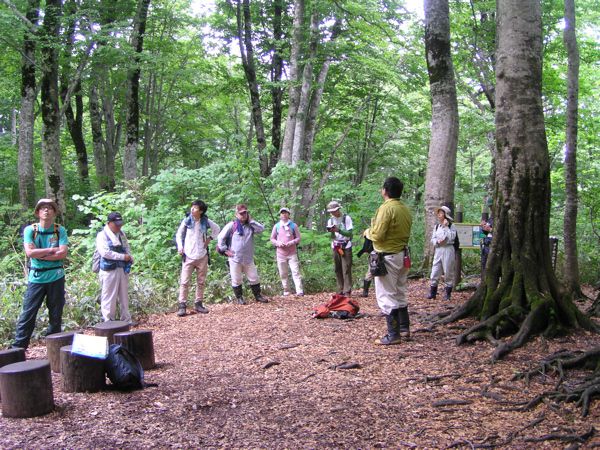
269 376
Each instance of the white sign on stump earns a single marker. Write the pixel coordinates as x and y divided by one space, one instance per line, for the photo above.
93 346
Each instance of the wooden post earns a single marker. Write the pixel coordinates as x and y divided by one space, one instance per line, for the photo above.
11 356
54 342
26 389
81 373
108 329
139 343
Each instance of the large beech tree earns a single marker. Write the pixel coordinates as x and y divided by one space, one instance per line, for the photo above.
520 294
441 163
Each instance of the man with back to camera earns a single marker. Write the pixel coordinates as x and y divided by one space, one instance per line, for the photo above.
390 231
46 243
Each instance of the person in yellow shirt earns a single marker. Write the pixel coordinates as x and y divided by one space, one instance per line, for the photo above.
390 231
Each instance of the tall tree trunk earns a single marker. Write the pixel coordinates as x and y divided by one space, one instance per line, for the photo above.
133 85
294 83
520 293
98 138
244 31
27 115
53 169
276 90
571 267
441 163
74 119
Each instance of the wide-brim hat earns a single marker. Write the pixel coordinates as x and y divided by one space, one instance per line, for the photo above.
446 212
333 206
45 201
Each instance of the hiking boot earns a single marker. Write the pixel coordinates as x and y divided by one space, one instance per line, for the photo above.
403 323
257 295
432 292
393 336
239 297
448 292
181 310
366 285
199 308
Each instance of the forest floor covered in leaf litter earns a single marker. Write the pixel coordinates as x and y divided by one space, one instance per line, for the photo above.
270 376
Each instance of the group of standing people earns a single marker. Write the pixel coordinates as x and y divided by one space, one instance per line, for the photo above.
46 244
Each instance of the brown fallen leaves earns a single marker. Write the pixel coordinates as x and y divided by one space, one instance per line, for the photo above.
269 376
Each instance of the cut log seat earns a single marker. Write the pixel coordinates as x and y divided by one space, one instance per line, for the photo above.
26 389
140 343
54 342
108 329
81 373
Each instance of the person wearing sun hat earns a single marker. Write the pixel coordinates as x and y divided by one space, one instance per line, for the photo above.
115 264
236 241
444 262
285 236
340 226
46 244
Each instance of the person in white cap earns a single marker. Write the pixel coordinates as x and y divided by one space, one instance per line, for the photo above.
46 243
444 262
340 227
115 264
286 237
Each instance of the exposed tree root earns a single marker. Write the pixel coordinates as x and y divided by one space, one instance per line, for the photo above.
564 437
557 363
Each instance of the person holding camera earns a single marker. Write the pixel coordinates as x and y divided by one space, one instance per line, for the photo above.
340 227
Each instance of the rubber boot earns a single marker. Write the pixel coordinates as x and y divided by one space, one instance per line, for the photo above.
200 308
257 295
404 323
237 290
393 334
432 292
181 309
366 285
448 292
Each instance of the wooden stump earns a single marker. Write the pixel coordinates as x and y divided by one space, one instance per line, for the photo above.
11 356
139 343
81 373
108 329
26 389
54 342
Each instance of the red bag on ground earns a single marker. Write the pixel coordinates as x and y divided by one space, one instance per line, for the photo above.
344 306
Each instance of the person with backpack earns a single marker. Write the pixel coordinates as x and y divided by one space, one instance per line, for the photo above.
285 237
443 239
236 241
390 232
340 227
193 236
46 244
115 264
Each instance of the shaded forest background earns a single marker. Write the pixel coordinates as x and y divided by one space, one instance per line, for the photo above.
153 105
